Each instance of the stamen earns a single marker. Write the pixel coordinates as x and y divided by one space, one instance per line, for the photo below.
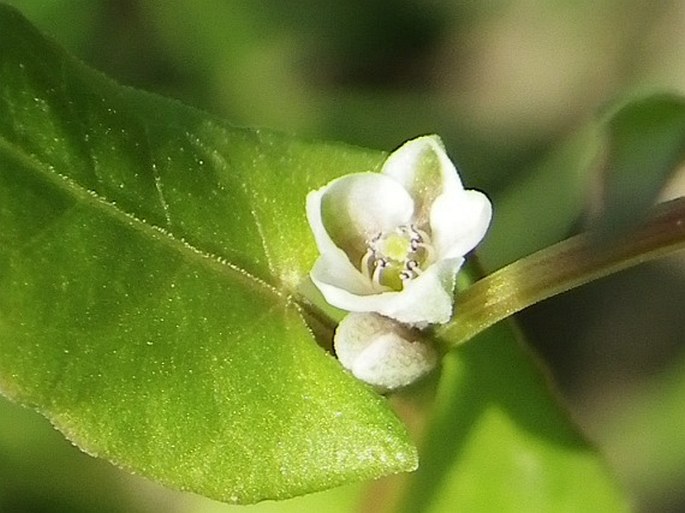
378 268
394 257
413 266
366 263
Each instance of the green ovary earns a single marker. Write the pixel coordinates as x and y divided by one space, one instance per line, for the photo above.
396 257
395 247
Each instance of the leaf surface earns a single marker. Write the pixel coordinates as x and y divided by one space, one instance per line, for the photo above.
148 259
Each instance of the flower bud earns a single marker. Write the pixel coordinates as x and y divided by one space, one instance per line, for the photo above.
382 352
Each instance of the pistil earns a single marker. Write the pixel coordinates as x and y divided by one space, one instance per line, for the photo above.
396 257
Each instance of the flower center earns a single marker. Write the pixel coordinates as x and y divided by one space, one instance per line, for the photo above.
392 258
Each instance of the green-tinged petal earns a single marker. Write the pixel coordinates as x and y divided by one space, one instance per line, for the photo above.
428 298
425 171
357 207
323 240
424 300
333 271
459 222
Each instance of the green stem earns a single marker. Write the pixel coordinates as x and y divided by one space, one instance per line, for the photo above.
558 268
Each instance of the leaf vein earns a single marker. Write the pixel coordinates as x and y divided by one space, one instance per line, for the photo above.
77 191
226 164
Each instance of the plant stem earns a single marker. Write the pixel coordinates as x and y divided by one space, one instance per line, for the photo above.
561 267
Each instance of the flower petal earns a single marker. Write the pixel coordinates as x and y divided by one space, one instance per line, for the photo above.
355 208
323 241
425 171
334 274
459 221
426 299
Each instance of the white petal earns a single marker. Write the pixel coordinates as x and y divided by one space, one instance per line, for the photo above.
424 170
405 163
426 299
458 222
382 352
335 276
323 241
354 208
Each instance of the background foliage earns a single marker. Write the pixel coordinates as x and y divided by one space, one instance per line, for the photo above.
511 87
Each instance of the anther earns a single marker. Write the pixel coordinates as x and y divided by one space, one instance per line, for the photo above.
379 265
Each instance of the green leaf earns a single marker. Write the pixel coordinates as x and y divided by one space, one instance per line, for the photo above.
650 417
70 21
149 258
646 143
499 441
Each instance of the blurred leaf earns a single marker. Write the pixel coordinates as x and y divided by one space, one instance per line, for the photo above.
148 258
41 471
646 140
500 442
646 143
71 22
542 207
643 434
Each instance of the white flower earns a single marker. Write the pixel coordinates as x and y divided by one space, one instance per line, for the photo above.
381 352
392 242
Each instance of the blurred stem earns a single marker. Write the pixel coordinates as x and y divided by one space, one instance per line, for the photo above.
561 267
